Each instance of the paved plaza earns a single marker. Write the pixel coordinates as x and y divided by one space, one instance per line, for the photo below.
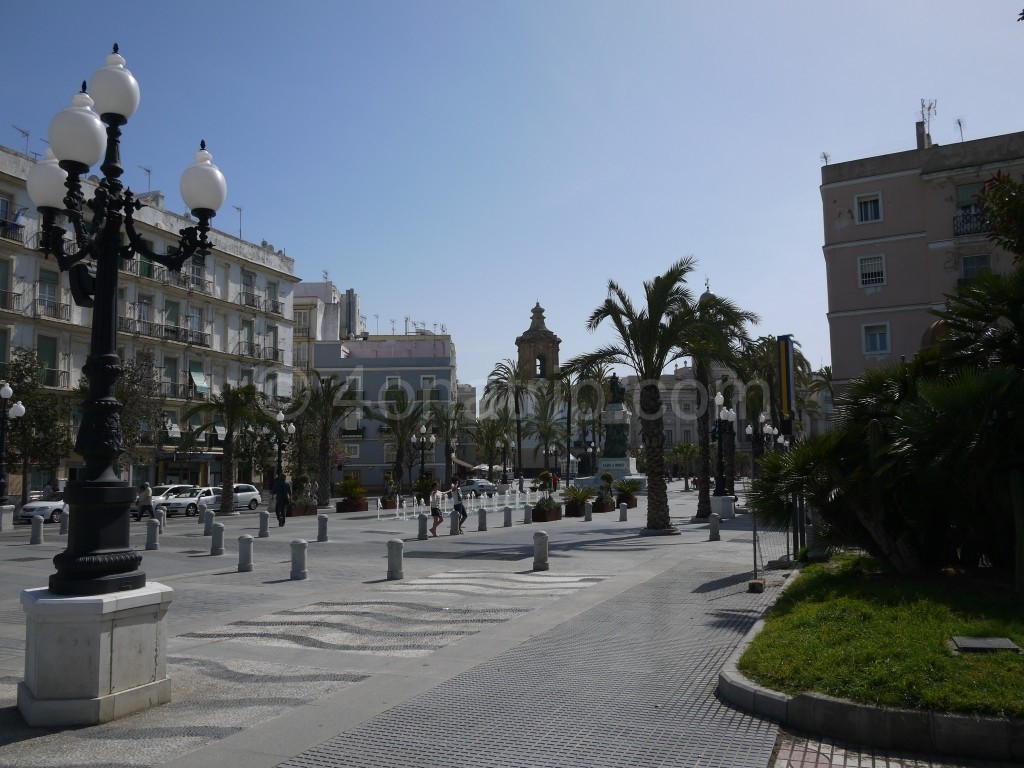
610 658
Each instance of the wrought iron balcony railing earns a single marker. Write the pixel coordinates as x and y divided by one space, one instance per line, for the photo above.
274 306
51 377
10 300
248 349
247 299
971 224
11 231
52 309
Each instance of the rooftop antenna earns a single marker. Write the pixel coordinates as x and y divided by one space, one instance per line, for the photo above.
24 135
960 125
239 209
376 320
928 108
392 326
825 157
327 278
149 177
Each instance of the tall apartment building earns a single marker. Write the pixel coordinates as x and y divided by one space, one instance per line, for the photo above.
323 313
224 319
422 364
901 231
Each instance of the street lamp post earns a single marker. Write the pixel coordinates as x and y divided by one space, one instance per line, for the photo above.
591 455
8 422
280 436
421 443
99 558
720 466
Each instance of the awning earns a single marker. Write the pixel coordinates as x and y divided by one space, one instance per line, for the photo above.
195 370
221 432
462 463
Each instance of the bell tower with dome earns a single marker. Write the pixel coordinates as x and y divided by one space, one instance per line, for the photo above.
538 348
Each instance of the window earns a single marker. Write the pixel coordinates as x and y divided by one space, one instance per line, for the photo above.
393 382
687 436
869 208
967 197
871 270
876 339
171 310
142 307
46 351
245 378
195 319
352 449
669 442
171 374
271 387
975 265
198 270
5 208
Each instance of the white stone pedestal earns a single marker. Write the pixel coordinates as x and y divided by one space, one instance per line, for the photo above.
7 517
89 660
724 506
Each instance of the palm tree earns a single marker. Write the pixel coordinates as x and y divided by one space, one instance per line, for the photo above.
685 454
399 419
489 437
545 423
647 341
508 384
448 423
329 401
234 409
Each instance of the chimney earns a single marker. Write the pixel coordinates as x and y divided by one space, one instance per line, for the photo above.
924 140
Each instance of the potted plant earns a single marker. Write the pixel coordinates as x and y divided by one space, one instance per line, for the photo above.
353 496
546 509
627 490
576 499
421 489
302 505
389 499
605 499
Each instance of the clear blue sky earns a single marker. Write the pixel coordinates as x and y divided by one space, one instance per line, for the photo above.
455 161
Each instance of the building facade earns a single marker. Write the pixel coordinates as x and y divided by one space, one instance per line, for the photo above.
901 232
224 319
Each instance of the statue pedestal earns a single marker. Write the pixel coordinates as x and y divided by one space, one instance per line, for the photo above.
89 660
618 468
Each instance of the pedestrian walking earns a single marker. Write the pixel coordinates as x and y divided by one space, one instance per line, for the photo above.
435 507
457 504
47 491
282 498
145 501
522 483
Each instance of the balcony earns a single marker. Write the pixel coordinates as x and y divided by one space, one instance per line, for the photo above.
350 433
302 331
174 333
247 299
274 355
51 377
11 231
970 223
198 338
274 306
248 349
53 310
149 328
10 300
152 271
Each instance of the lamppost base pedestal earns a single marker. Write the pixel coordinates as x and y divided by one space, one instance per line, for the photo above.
119 644
70 586
725 506
7 517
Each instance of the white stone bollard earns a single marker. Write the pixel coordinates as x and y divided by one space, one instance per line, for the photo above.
161 516
299 560
37 530
211 516
508 517
201 517
217 542
264 523
482 523
540 551
623 516
715 536
456 526
152 534
527 514
321 527
64 521
245 553
421 520
588 511
395 548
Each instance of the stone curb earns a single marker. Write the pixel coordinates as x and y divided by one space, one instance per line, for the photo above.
904 730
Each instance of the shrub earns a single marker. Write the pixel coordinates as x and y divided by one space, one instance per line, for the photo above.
349 488
628 488
578 495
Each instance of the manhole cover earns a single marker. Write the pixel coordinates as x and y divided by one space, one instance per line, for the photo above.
984 644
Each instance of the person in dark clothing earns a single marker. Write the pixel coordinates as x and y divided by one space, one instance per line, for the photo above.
282 498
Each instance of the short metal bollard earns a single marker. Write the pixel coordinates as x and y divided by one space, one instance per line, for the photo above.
217 542
715 536
395 548
508 516
482 522
64 522
299 560
422 519
588 511
456 528
264 523
211 517
527 514
152 534
623 517
321 527
37 530
245 553
540 551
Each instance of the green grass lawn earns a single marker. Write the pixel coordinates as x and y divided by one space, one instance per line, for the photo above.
848 629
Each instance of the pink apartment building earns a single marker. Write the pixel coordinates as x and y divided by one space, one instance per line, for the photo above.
901 232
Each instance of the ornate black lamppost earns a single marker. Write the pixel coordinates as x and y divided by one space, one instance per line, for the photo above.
280 436
422 443
99 558
720 466
8 422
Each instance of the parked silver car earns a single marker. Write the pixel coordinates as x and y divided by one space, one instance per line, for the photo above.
161 495
247 496
476 486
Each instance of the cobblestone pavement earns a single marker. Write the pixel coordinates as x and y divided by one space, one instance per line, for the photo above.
796 751
608 659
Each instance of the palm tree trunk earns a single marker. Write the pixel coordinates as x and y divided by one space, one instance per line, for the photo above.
703 449
325 465
227 475
519 439
653 428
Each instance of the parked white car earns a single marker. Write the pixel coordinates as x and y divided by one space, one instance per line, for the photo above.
187 502
161 495
52 509
476 486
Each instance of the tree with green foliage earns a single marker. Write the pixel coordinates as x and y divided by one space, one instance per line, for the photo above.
448 422
508 384
399 420
143 403
327 402
545 424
